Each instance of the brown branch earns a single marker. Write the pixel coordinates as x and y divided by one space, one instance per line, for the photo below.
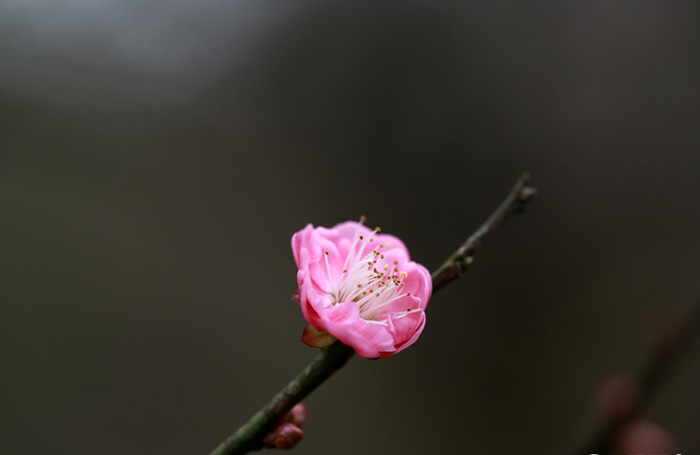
250 436
517 201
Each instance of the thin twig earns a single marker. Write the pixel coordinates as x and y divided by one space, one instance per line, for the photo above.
517 201
250 436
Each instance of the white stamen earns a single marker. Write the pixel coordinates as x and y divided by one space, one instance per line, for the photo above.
328 271
368 281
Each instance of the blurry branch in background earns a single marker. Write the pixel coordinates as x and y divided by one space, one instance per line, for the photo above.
626 407
251 435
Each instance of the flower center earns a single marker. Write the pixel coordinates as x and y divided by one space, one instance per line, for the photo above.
370 280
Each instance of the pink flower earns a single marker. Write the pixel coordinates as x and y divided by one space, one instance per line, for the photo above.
360 287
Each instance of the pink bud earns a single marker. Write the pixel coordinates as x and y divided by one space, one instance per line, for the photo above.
285 436
296 415
618 396
644 437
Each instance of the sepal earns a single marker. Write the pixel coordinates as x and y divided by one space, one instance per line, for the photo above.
317 338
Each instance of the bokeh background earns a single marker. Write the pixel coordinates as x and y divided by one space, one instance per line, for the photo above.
157 156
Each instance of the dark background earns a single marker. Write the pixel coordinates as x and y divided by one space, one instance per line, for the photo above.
157 156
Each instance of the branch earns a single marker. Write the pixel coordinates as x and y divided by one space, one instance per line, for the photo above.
250 436
517 201
663 356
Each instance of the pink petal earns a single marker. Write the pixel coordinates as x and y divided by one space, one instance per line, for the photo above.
419 283
313 306
366 338
301 240
406 329
319 277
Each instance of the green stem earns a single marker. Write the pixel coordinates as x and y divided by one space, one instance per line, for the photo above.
250 436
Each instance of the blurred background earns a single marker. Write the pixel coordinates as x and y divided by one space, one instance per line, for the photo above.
157 156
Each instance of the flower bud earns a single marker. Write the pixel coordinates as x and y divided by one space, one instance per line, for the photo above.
296 415
285 436
617 397
644 437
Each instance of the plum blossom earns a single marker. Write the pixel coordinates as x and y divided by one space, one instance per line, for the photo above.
360 287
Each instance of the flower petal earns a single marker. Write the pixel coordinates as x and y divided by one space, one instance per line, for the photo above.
301 241
406 329
368 339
